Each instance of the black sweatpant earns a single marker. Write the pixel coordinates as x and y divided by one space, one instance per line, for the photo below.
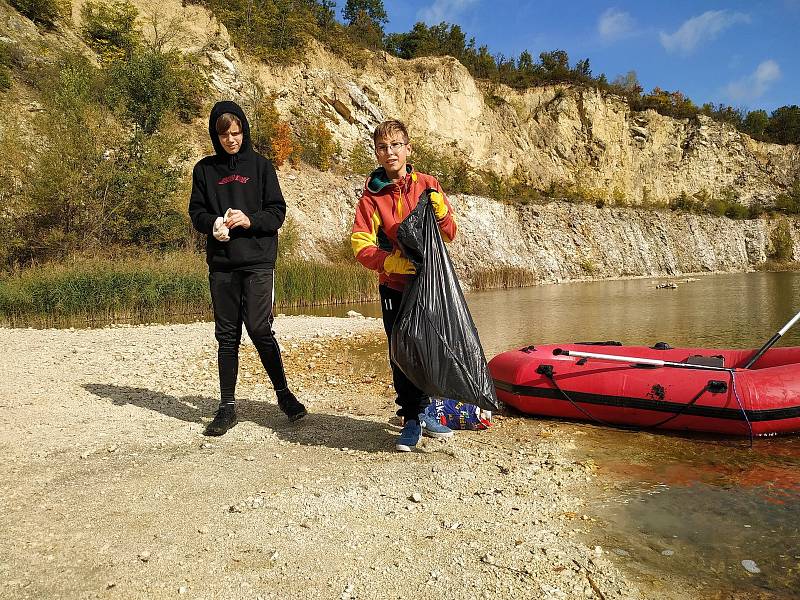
411 399
244 297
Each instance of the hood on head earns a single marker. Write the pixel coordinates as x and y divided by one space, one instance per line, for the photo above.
219 109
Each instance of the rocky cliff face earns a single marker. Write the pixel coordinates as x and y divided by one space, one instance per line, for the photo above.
562 241
560 134
558 241
557 134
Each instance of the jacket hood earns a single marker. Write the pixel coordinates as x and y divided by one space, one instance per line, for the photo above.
228 107
378 179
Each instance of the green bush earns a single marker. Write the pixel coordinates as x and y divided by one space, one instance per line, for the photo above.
145 195
90 184
683 202
43 12
275 30
6 60
361 160
149 84
789 202
264 121
452 172
756 209
737 210
110 27
269 134
782 242
318 145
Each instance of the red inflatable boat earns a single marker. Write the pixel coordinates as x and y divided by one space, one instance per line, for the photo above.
689 389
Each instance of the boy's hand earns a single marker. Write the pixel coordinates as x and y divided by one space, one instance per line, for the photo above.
236 218
219 231
439 206
398 264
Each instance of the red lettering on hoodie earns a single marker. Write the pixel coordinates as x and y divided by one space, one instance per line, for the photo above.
230 178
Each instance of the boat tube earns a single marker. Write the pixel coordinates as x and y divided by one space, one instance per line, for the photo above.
659 387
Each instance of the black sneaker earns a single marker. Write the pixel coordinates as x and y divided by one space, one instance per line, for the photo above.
223 420
291 406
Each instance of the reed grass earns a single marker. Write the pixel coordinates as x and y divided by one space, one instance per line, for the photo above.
502 278
165 289
306 283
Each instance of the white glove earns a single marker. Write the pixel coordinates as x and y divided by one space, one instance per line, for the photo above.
219 231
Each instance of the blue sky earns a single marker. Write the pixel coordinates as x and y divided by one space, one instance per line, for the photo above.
739 53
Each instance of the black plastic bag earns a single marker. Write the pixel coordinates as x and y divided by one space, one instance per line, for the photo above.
434 340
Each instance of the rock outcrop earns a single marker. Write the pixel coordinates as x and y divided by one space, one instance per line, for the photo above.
560 134
557 241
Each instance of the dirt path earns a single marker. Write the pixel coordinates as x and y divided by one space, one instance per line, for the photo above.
109 490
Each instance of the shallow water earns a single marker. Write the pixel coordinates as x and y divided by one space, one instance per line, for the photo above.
671 505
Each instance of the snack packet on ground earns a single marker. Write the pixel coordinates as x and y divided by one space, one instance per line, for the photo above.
459 415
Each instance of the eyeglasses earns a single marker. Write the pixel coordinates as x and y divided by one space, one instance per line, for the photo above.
394 146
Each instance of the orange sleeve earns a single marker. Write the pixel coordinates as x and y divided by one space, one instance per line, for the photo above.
364 236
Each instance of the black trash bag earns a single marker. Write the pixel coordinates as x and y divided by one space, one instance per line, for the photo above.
434 340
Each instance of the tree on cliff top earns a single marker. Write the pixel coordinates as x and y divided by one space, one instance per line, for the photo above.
365 21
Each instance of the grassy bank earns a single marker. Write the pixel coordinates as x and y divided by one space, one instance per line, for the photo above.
169 288
779 266
502 278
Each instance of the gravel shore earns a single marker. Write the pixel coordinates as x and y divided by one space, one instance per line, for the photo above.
109 489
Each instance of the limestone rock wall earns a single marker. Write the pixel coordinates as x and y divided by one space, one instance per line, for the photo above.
561 241
557 241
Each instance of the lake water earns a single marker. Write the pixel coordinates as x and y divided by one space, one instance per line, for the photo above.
671 505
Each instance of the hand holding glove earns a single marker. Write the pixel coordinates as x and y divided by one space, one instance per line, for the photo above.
439 205
398 264
219 231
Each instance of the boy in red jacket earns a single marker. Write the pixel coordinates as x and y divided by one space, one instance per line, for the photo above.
390 193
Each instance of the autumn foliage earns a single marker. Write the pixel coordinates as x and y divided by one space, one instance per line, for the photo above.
282 143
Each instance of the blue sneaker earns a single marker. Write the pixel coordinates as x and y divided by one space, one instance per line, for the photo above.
433 428
409 436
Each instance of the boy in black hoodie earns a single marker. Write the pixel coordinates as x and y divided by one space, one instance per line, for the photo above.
237 202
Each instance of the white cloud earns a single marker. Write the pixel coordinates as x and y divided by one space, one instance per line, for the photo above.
444 10
755 85
615 24
699 29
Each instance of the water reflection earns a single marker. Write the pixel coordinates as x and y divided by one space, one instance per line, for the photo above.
738 310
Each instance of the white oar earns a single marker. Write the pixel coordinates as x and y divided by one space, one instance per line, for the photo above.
772 340
654 362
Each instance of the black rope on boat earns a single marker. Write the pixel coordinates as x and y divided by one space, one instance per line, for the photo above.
682 409
741 407
550 374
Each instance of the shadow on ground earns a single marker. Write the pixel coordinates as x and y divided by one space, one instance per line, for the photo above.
317 429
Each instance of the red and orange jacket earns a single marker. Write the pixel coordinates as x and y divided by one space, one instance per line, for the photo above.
382 207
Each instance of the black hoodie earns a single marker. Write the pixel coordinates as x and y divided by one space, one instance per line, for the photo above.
246 181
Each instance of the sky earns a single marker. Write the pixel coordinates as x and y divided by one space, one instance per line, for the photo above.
742 54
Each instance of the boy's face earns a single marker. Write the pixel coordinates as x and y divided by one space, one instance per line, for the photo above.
392 152
231 140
